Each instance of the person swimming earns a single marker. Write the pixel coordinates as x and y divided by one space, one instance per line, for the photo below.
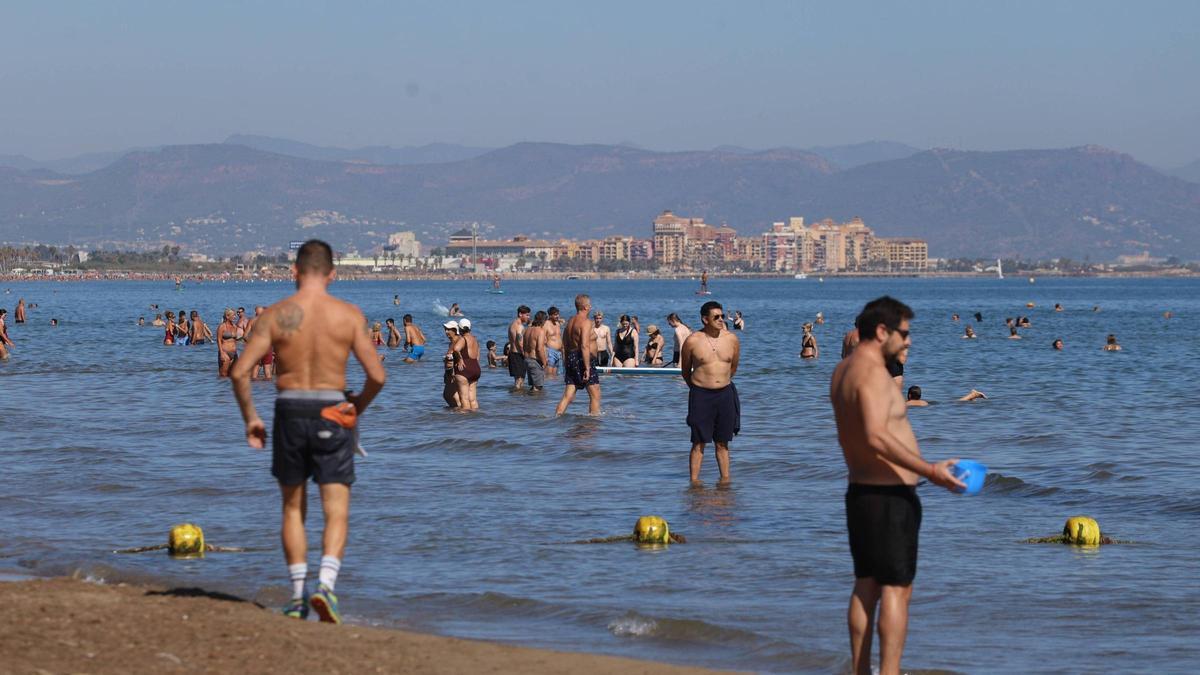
969 333
1110 344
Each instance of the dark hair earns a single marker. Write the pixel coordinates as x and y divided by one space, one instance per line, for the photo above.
708 307
390 320
552 310
314 257
539 318
1112 339
408 318
523 310
1012 330
463 330
914 393
978 316
885 310
491 343
674 316
1056 341
624 317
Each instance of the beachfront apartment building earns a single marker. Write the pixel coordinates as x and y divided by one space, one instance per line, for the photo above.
829 246
901 255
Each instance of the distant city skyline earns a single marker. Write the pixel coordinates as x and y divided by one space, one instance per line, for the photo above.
665 76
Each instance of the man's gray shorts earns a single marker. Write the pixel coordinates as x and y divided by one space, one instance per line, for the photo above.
535 372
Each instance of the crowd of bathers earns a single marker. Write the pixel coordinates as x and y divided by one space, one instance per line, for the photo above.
188 328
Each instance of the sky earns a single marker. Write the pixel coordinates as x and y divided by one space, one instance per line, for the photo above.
81 77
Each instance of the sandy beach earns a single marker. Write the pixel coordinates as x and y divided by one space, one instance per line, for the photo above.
71 626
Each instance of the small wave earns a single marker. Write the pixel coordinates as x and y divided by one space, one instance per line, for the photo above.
636 625
998 483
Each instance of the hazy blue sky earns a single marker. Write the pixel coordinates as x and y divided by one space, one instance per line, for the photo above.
87 76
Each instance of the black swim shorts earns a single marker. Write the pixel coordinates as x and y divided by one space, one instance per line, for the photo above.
883 521
305 445
714 414
516 364
573 372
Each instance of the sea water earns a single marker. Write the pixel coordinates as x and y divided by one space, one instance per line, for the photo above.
464 524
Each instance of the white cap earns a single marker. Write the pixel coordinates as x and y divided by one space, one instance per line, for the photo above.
451 324
464 323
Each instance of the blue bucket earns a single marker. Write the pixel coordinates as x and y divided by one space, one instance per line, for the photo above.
970 472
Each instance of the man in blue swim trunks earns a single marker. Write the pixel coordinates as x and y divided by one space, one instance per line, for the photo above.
414 340
580 362
708 360
554 341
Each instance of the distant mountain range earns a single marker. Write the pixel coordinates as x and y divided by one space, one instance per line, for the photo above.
432 153
1190 172
227 197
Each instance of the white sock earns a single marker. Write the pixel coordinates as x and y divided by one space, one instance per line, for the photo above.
330 566
299 575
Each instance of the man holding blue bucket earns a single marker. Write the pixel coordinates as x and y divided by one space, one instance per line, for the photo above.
883 512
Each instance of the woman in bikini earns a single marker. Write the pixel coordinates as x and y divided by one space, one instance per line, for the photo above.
808 343
227 353
466 365
654 347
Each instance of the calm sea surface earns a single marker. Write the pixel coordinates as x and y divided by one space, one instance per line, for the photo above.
462 524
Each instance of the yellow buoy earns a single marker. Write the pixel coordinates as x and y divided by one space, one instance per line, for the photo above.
652 530
186 541
1082 530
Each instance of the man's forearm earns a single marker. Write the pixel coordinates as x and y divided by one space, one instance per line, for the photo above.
241 391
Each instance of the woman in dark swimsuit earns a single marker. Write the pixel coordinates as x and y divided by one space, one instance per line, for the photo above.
449 386
625 348
808 343
467 371
227 353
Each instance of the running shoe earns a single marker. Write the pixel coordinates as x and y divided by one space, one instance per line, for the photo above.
325 604
297 609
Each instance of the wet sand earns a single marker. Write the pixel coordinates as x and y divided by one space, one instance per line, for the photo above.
70 626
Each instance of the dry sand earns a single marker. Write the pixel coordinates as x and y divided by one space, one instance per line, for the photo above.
70 626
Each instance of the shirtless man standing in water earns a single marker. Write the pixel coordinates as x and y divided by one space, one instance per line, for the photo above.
883 513
314 433
580 360
708 360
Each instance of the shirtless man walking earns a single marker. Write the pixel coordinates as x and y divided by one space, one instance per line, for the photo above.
414 340
534 357
708 361
883 512
516 348
579 359
314 433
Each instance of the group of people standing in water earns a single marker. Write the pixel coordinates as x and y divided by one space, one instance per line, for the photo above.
188 328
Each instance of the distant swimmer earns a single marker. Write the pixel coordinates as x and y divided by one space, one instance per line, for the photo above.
449 386
655 344
1058 307
414 340
969 332
954 318
396 300
1168 315
820 320
580 361
455 310
227 352
141 321
682 331
1057 344
5 341
1024 322
625 347
978 317
604 341
708 362
516 350
849 342
315 433
808 343
158 321
1095 308
738 322
973 395
466 366
915 401
393 337
554 342
883 512
1012 333
534 357
19 312
1110 344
